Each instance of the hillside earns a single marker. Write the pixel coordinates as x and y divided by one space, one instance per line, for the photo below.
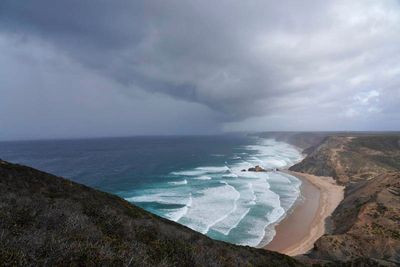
352 158
48 220
367 222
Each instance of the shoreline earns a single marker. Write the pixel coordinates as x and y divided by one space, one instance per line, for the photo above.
305 223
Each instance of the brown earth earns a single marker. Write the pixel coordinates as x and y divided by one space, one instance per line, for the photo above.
367 221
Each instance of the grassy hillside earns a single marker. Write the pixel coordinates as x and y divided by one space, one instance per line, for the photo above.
47 220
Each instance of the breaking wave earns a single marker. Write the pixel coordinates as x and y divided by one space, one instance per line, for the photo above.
226 202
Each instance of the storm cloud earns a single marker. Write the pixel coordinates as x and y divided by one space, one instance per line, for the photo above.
228 65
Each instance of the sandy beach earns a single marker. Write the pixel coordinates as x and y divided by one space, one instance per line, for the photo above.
297 233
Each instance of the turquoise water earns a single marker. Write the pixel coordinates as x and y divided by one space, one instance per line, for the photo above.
195 181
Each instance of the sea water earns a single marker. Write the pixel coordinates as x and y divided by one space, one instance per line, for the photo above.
197 181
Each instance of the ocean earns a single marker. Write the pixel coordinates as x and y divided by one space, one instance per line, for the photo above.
196 181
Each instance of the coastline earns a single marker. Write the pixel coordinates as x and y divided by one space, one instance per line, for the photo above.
305 223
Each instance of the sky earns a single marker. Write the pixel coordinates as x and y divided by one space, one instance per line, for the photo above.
82 68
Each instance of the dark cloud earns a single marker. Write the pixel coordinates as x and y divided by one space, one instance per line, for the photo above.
241 59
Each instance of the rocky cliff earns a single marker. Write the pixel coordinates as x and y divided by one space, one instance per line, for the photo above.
367 222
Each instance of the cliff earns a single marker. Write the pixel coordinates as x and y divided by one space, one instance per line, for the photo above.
48 220
352 159
367 222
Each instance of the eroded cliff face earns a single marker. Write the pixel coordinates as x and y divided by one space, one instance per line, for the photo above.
49 221
367 222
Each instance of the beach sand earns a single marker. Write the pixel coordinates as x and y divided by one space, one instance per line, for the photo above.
297 233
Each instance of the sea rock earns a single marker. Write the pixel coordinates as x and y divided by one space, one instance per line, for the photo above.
257 169
243 170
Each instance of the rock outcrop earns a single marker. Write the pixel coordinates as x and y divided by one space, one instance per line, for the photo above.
257 169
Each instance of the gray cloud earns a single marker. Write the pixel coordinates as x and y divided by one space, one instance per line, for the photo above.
245 60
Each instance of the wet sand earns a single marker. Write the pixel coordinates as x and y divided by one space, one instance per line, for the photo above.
297 233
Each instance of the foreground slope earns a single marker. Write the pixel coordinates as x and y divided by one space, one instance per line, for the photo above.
367 222
47 220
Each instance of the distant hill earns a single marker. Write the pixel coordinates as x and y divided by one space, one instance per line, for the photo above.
352 158
367 221
48 220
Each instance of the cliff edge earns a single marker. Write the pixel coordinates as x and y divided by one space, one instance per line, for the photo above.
367 221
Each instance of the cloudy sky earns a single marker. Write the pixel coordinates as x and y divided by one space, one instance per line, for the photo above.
106 68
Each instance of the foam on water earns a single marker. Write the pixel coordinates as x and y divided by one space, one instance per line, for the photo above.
221 199
201 171
230 175
176 214
189 173
213 169
162 197
227 203
243 206
179 182
203 177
